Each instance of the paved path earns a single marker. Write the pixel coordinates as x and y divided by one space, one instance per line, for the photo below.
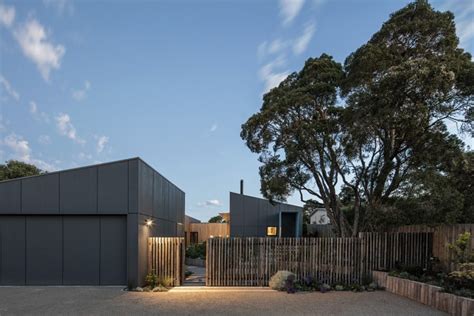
198 277
113 301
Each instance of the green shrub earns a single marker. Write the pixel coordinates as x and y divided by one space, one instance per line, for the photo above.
166 282
151 280
461 282
280 281
195 251
460 249
339 287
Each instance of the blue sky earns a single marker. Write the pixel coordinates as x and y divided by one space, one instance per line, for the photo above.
83 82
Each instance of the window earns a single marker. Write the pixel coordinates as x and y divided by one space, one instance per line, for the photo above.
193 238
271 231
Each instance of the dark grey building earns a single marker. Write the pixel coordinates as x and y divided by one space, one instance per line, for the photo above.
255 217
86 225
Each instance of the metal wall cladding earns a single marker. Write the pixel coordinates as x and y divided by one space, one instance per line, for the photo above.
158 197
78 191
113 188
12 250
63 250
101 189
113 250
250 216
40 195
81 238
145 188
10 197
44 250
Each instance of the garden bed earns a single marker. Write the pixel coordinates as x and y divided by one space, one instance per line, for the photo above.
425 293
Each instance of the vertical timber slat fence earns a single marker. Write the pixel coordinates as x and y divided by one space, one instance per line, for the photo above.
253 261
166 258
442 235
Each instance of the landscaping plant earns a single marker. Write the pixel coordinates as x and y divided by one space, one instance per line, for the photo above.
151 280
196 251
461 250
282 280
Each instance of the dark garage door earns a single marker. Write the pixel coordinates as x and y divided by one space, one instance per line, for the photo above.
69 250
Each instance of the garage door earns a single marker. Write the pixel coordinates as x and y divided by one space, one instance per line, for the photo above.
68 250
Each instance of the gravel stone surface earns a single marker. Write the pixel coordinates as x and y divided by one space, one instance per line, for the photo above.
197 301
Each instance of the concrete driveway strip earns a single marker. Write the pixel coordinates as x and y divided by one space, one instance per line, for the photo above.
211 301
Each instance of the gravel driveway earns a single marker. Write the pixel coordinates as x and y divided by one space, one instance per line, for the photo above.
193 301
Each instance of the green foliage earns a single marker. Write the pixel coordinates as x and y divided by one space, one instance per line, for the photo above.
151 280
16 169
195 251
378 125
460 249
166 282
459 282
286 281
216 219
282 281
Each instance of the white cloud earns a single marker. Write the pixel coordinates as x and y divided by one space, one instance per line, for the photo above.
7 15
18 146
61 6
44 139
270 76
213 128
269 48
65 127
85 156
101 142
302 42
33 107
262 50
289 9
80 94
37 46
20 150
210 203
9 89
37 114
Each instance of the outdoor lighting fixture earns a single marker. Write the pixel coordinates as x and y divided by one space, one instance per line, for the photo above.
271 231
149 222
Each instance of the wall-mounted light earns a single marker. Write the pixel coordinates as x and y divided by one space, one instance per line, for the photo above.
149 222
271 231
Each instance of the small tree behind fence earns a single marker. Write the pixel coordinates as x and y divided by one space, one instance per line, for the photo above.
252 261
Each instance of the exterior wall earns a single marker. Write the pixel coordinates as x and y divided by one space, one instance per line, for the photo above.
101 189
53 249
250 216
320 217
206 230
130 188
187 222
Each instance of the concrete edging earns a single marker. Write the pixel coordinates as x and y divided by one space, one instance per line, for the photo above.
426 294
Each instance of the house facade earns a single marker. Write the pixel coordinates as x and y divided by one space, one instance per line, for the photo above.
256 217
197 232
319 217
86 226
